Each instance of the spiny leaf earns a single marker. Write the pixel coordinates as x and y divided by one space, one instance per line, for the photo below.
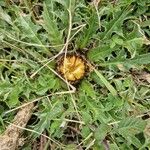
97 112
88 32
101 132
29 30
88 88
138 60
99 53
131 126
14 96
115 24
134 40
50 25
46 116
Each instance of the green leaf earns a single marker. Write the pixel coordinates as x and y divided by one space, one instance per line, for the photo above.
96 79
99 53
93 108
135 141
46 116
54 126
14 96
106 83
85 131
5 87
129 127
114 102
50 25
113 36
45 82
132 125
70 147
88 32
29 30
101 132
134 40
138 60
5 16
88 89
86 117
115 24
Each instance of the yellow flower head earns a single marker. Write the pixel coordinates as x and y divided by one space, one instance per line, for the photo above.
72 68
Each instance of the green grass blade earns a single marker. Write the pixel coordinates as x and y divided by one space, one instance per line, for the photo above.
106 83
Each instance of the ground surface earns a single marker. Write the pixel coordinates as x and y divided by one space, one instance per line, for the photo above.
110 107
